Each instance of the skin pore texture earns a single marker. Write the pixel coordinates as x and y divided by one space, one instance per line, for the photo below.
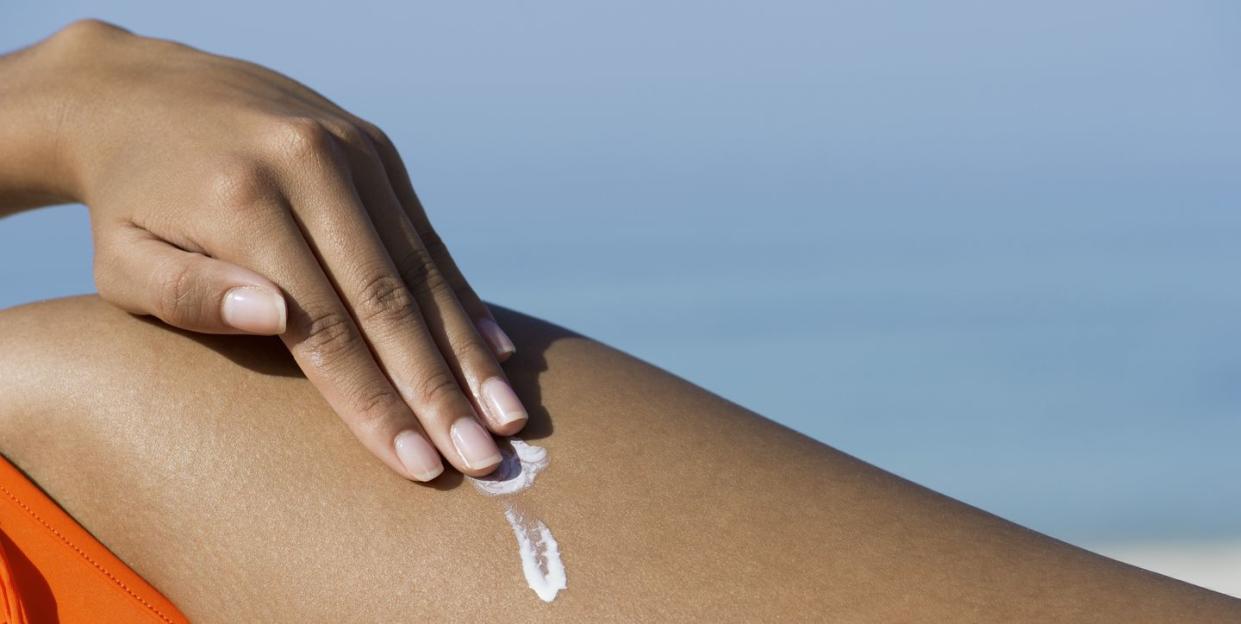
213 468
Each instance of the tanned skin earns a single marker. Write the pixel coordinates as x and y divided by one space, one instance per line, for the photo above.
226 198
215 469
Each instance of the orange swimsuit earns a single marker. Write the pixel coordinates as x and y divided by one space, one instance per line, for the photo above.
53 571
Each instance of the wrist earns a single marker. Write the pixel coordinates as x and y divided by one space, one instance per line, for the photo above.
41 125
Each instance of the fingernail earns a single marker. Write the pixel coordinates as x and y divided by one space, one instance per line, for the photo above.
474 444
499 340
418 456
254 310
502 402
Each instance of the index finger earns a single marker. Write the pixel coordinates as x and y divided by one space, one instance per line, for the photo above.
328 347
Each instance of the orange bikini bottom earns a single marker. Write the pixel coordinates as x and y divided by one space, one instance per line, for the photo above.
53 571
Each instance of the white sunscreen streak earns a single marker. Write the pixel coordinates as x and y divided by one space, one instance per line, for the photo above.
516 472
540 555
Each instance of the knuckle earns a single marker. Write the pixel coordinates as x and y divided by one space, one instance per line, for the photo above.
470 349
374 132
301 138
433 243
386 299
176 294
82 39
436 284
424 279
329 337
352 136
375 406
432 283
87 28
435 386
89 25
438 252
411 263
465 292
239 184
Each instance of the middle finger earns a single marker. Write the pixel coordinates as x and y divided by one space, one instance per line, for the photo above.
471 359
339 230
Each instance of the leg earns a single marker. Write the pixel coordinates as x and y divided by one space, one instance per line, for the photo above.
215 470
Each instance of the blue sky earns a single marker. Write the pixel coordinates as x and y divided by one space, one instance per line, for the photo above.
993 247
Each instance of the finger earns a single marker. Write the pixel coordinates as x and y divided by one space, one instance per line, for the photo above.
399 182
471 359
143 274
340 232
329 347
320 333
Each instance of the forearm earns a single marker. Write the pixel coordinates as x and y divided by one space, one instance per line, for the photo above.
34 105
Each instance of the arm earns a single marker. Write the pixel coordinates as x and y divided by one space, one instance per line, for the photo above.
210 466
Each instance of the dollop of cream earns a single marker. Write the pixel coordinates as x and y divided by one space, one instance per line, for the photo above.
540 555
519 465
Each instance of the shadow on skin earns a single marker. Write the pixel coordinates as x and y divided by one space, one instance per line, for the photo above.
268 356
533 338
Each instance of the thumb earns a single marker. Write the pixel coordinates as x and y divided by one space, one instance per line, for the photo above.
145 275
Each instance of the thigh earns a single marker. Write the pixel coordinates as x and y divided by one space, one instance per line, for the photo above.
213 468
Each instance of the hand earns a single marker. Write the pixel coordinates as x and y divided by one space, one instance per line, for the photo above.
226 198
